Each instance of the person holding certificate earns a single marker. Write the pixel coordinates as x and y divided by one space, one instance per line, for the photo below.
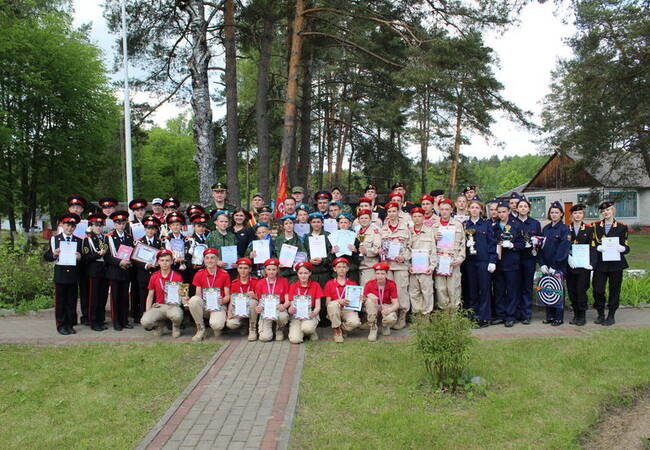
262 244
145 267
197 245
320 260
272 294
398 198
287 237
94 250
212 296
342 317
532 231
610 242
242 289
396 242
352 244
305 298
579 272
380 301
177 243
481 260
423 263
118 269
369 237
221 237
554 255
163 298
461 213
65 251
135 228
371 193
302 220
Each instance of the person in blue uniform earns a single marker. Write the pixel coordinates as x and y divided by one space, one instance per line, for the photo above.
554 255
531 230
608 271
510 241
513 202
480 263
577 278
144 270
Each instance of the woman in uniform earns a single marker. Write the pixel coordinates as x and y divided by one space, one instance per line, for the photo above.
369 237
272 284
342 319
531 230
288 237
577 278
304 286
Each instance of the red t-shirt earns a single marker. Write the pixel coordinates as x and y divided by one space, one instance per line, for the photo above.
313 289
335 291
220 279
389 292
237 287
280 287
157 283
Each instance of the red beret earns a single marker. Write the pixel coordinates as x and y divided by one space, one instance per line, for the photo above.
338 260
164 252
271 262
381 266
365 200
395 194
447 201
244 261
306 265
362 212
427 197
417 209
391 205
211 251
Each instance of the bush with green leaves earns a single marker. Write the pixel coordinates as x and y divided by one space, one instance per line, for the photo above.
635 290
443 341
24 276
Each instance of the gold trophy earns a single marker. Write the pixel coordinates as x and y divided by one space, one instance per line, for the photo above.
470 241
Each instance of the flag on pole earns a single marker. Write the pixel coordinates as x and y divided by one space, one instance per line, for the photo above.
282 192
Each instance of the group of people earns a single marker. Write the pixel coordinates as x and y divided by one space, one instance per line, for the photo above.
365 267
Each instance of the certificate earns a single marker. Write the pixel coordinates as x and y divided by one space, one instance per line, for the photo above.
137 230
301 229
270 303
447 237
109 226
394 248
173 292
262 251
580 255
444 265
177 246
68 255
610 249
353 295
229 255
188 230
330 225
197 254
211 297
124 252
80 229
419 260
300 257
317 246
303 306
344 238
287 255
240 305
145 254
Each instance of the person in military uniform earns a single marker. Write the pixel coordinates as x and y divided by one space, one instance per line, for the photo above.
157 209
261 230
145 270
322 266
471 193
322 199
66 278
532 229
175 222
193 209
513 202
118 270
302 214
108 204
608 272
256 204
430 215
94 249
369 236
221 237
170 205
298 194
334 209
196 241
265 215
421 283
492 214
371 193
578 278
344 221
289 237
401 188
337 196
438 195
139 208
398 198
219 194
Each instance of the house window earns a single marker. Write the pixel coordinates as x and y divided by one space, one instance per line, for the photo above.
537 207
625 203
592 205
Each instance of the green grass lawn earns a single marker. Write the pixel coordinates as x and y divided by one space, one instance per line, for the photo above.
91 396
544 393
639 256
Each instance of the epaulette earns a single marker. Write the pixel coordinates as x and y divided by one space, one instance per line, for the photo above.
621 223
110 233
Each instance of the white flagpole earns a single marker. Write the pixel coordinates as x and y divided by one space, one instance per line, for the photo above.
127 109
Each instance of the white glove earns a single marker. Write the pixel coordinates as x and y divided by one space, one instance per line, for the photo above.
528 245
492 267
571 263
589 267
468 243
621 248
551 271
544 269
599 248
507 244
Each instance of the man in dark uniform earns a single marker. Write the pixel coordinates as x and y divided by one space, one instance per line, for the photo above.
118 271
608 271
135 228
577 278
107 204
322 199
438 195
76 205
513 202
66 277
471 193
219 194
407 205
143 270
94 249
256 205
199 237
371 193
298 194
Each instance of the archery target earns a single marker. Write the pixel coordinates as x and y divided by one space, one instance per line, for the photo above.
550 290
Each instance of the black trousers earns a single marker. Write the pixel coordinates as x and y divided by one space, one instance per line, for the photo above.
136 310
600 280
65 304
83 297
120 302
97 297
577 283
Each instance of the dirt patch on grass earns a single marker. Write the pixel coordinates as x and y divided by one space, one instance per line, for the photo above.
626 425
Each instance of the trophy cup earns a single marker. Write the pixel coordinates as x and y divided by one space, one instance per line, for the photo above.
470 241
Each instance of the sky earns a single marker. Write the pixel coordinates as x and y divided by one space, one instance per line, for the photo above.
527 53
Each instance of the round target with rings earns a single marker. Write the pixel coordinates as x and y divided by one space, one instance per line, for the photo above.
550 290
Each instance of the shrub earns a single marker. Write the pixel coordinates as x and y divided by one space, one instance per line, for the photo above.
443 340
24 275
635 290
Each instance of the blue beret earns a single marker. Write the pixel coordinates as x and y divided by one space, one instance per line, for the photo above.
346 215
287 217
316 215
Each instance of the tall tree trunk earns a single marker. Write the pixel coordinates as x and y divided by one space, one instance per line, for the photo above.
289 129
305 122
261 107
453 173
329 117
204 158
424 124
232 159
349 188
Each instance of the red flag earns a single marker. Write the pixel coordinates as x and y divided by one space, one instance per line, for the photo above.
282 193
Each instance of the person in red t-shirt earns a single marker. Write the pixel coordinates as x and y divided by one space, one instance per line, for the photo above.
305 286
380 298
211 283
244 284
158 309
270 285
342 319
